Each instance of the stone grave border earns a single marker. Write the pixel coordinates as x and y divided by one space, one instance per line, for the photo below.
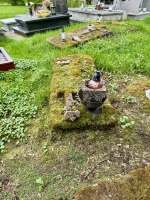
7 63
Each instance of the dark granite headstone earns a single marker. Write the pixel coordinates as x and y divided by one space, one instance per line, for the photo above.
61 6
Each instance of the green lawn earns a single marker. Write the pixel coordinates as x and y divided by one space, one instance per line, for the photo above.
11 11
44 163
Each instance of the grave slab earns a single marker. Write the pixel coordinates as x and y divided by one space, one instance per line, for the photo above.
75 37
68 72
90 14
30 25
7 24
138 16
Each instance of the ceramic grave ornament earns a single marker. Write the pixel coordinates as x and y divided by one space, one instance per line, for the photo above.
93 94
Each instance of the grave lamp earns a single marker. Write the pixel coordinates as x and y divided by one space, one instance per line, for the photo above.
93 94
53 9
63 36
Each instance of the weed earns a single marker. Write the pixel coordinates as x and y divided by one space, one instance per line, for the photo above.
114 86
129 99
40 182
125 123
61 82
73 85
45 147
17 100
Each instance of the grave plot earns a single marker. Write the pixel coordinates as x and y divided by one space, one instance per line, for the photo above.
6 61
66 110
84 34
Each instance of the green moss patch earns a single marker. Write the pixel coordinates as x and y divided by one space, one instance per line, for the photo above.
133 186
67 78
83 33
138 88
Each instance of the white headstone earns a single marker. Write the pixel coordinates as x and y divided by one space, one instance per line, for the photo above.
132 6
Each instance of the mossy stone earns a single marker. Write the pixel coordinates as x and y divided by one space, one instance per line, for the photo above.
63 83
133 186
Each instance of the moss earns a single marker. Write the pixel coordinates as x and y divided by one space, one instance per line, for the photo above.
133 186
137 89
82 33
63 83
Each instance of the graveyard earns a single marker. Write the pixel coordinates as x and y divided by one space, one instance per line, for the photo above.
56 143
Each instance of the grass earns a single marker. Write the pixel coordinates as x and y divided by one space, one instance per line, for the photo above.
13 10
62 159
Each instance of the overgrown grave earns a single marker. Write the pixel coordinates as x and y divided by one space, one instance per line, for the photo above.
84 34
134 185
66 110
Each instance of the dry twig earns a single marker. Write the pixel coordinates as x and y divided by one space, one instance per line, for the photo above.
99 163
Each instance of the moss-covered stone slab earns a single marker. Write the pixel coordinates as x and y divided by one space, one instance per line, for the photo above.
67 79
138 88
83 34
135 185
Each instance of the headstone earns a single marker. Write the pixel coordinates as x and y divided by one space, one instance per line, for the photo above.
132 6
61 6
